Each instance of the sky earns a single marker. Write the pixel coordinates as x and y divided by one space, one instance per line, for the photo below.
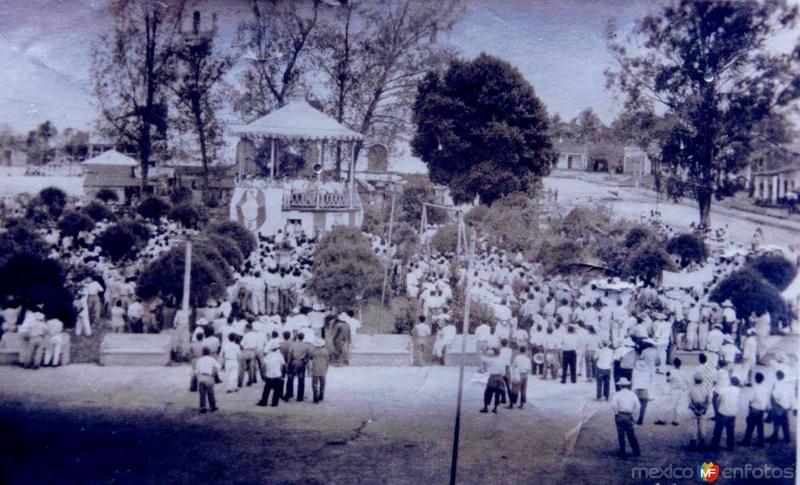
558 45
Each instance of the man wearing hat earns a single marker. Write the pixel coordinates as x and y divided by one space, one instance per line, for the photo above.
625 405
319 368
274 369
749 353
662 334
715 339
698 403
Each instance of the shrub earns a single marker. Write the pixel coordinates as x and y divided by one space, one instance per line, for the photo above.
54 199
648 262
750 293
153 208
207 251
228 248
511 222
374 221
164 278
414 194
406 315
585 222
107 195
558 255
638 235
405 238
445 240
181 195
476 217
187 214
479 312
74 222
613 253
689 248
98 212
345 268
243 237
777 270
21 237
123 240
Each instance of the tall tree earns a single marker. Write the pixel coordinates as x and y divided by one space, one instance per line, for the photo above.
200 71
588 125
132 68
276 41
39 144
709 66
481 130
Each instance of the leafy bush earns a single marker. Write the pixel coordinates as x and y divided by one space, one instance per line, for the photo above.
612 251
208 252
54 199
98 212
21 237
375 220
228 248
405 238
414 194
153 208
586 222
477 216
511 222
445 240
406 315
30 280
345 268
648 262
689 248
123 240
181 195
777 270
750 293
232 229
74 222
107 195
187 214
557 255
638 235
164 278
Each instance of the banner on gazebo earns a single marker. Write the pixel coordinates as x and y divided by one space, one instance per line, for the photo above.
257 209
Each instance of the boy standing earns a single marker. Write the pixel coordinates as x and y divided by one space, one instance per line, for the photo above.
207 370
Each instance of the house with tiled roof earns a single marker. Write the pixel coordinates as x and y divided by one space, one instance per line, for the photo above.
776 174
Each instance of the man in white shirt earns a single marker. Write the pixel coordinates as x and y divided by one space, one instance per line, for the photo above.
569 355
604 361
783 401
625 405
444 337
495 386
758 404
274 369
421 334
207 369
715 339
662 334
728 405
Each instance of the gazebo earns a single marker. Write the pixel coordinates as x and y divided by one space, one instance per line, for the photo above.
267 202
111 170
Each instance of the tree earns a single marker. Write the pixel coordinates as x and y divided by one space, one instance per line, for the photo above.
481 130
346 269
751 294
132 68
39 143
415 192
153 208
123 241
75 144
588 126
243 236
710 67
31 280
228 248
276 40
19 237
180 195
200 72
74 222
164 278
647 263
187 214
372 56
48 204
777 270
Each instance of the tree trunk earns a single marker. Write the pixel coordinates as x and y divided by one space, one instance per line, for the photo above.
704 204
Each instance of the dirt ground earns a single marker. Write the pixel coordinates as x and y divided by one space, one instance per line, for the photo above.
91 424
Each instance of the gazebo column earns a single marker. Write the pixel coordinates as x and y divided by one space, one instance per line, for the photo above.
272 158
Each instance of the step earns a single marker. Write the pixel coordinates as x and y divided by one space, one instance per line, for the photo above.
380 350
454 357
133 349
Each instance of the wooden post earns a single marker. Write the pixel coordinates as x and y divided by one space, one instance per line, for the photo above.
187 275
464 332
352 173
272 158
386 270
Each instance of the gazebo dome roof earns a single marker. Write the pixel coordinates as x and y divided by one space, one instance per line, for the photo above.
297 120
112 157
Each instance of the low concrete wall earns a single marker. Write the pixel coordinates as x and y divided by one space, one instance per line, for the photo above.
128 349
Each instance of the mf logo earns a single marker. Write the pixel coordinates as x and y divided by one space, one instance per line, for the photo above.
708 472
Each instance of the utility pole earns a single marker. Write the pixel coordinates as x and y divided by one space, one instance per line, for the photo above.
187 275
386 270
464 333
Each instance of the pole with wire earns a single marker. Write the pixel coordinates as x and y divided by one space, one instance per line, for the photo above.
464 333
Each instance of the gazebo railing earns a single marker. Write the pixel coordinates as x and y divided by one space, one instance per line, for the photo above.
320 199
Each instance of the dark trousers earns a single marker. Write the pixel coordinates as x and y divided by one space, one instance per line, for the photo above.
275 386
300 374
780 421
205 385
537 368
318 387
248 366
727 423
624 424
603 380
755 421
494 388
569 358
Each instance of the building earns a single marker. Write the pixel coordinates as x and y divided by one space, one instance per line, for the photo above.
266 201
636 162
571 155
776 175
111 170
